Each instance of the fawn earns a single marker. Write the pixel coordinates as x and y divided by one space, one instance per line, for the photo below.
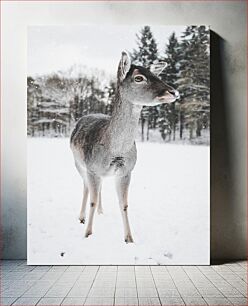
104 145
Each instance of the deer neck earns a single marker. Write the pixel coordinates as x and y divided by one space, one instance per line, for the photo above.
123 124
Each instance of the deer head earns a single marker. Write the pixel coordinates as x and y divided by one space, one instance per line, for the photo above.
140 86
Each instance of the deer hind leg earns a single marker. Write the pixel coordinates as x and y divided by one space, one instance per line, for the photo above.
122 184
99 206
82 215
94 184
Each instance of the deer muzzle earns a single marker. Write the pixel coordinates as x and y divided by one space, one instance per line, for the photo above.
169 96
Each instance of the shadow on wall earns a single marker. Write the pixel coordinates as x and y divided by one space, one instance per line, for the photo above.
224 230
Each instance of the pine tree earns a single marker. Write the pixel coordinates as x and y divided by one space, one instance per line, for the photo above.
194 79
145 55
169 112
147 51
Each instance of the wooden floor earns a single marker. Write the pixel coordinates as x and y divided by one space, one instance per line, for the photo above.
123 285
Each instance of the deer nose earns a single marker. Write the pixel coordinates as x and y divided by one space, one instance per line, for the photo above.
174 92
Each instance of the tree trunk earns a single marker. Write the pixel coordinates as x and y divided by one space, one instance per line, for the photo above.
142 128
147 131
173 109
198 129
181 127
174 131
191 131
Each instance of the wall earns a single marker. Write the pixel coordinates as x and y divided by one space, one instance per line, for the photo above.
228 101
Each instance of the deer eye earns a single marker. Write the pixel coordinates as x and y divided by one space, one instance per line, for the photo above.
139 78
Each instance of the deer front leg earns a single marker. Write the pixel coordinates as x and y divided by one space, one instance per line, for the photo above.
99 206
122 184
83 207
94 184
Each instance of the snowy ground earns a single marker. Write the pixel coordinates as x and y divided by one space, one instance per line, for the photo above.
168 208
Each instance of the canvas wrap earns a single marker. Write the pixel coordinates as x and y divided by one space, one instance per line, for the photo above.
72 72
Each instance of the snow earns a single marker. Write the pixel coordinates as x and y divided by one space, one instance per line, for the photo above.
168 208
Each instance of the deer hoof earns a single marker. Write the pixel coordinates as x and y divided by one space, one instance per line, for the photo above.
82 220
88 233
100 211
129 239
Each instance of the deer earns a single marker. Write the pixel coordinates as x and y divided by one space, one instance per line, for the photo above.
105 145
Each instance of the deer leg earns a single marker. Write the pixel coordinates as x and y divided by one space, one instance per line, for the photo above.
94 184
82 215
122 184
99 207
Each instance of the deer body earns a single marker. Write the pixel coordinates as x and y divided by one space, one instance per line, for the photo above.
104 145
101 158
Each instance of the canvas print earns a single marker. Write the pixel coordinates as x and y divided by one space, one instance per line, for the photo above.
118 124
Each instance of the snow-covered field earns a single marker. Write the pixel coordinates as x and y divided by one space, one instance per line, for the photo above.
168 208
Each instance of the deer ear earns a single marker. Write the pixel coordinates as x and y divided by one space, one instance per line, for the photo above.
158 68
124 66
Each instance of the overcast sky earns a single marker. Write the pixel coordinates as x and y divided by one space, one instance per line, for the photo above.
53 48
